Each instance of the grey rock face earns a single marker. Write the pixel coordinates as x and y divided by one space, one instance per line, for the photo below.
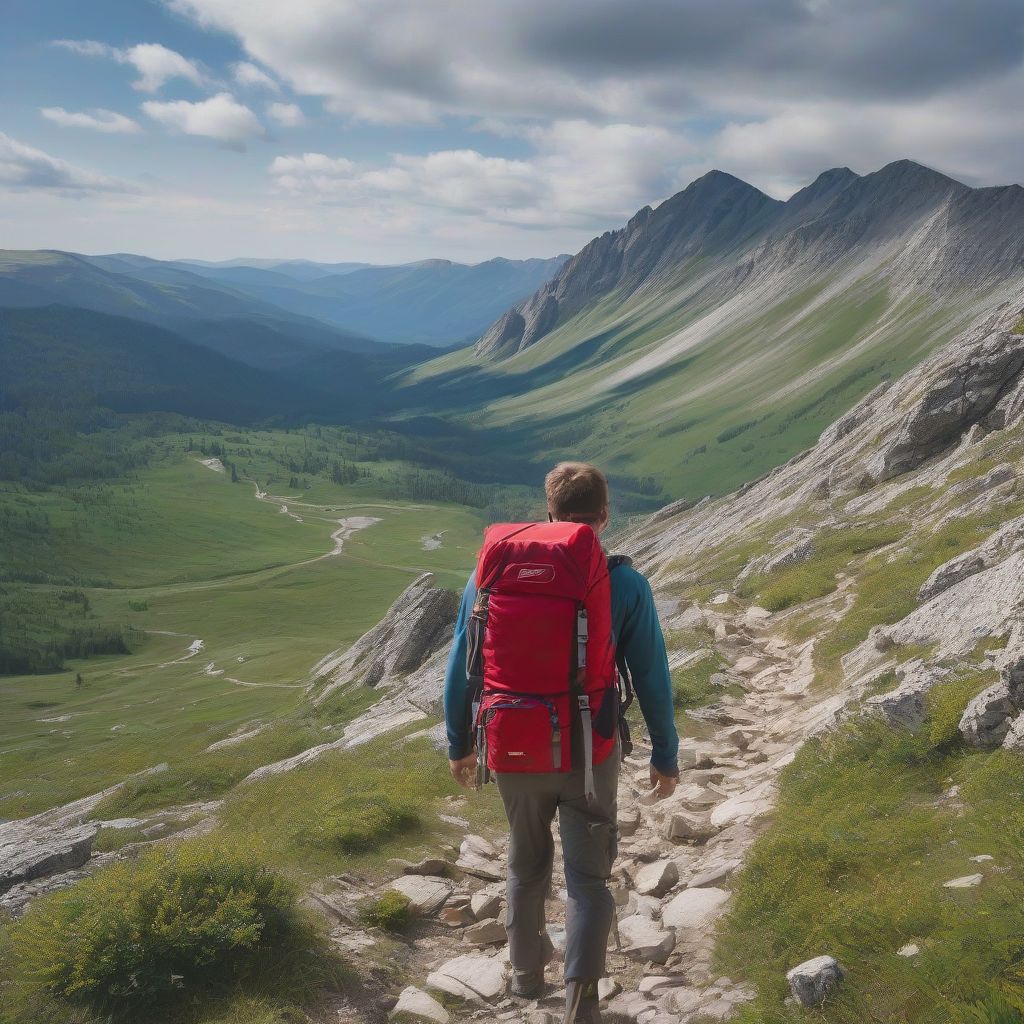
986 721
28 852
1008 539
905 707
1015 734
813 981
968 391
417 625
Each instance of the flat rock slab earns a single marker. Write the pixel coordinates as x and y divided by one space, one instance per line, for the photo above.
694 908
474 977
426 894
645 939
965 882
29 851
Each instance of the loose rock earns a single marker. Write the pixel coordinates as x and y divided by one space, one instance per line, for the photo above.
813 981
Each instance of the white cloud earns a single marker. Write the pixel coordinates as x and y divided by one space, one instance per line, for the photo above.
250 76
220 117
99 120
582 176
288 115
155 64
25 167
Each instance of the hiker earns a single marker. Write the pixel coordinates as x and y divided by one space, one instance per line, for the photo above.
545 598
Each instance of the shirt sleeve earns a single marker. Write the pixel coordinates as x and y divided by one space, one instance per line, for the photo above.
456 685
643 647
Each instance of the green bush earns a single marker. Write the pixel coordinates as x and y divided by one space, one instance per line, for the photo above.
392 911
947 702
158 931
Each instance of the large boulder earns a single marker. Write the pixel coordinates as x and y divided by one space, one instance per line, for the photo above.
417 625
1008 539
813 981
30 850
986 720
472 976
905 706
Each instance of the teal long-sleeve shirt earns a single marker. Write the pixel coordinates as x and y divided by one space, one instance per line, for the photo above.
638 637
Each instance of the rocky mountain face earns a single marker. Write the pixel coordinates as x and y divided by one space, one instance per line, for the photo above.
934 232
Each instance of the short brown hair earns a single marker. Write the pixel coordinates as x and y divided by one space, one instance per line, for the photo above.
576 491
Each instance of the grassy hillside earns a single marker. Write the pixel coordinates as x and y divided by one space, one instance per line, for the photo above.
700 399
189 555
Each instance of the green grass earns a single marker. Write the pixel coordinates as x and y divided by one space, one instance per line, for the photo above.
1018 327
320 819
692 686
817 576
854 863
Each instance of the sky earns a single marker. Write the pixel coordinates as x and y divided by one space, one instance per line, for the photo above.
387 131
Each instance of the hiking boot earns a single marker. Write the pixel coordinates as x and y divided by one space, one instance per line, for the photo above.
581 1002
527 984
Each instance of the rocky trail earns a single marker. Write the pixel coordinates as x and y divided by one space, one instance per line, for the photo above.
671 880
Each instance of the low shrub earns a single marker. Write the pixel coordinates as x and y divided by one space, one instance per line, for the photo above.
165 929
392 911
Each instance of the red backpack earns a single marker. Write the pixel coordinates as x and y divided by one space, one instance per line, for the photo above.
540 651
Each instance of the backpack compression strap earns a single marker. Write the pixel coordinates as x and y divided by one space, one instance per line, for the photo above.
626 692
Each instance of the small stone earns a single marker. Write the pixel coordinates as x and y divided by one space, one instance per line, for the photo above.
629 821
982 858
427 866
486 933
656 879
909 950
415 1003
457 917
485 905
686 826
607 988
964 882
814 980
645 939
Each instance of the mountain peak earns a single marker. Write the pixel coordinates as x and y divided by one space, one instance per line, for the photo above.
910 174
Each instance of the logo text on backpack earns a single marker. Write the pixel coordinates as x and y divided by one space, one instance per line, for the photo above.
536 573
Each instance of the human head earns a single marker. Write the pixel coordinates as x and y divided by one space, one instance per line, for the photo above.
577 492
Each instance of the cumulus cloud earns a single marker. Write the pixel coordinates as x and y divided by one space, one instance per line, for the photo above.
98 120
582 175
288 115
250 76
155 64
220 117
691 68
25 167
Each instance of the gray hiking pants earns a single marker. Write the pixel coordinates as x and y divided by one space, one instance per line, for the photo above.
589 846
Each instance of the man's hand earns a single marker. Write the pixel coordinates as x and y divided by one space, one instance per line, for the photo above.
664 785
464 771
